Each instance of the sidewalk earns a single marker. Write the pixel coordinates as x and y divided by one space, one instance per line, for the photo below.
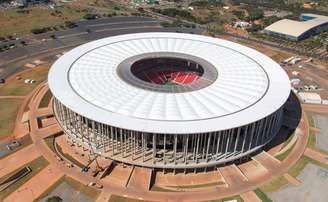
36 186
18 159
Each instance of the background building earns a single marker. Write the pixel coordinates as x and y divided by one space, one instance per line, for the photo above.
309 24
168 100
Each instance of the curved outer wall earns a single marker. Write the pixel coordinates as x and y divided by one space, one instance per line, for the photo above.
171 151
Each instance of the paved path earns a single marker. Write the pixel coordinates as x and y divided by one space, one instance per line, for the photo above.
104 196
37 185
18 159
315 129
253 170
250 196
323 109
140 179
318 156
12 97
233 176
267 160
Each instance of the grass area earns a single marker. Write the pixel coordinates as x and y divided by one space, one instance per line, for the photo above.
312 139
262 195
280 56
237 198
36 166
24 20
274 185
115 198
282 156
46 99
50 141
8 112
88 191
18 87
299 166
311 120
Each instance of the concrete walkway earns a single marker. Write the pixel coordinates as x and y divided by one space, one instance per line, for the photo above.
104 196
315 108
12 97
18 159
250 196
36 186
316 155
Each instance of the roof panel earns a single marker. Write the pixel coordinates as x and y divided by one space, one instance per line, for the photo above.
246 84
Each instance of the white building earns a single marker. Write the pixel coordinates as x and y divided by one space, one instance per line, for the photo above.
311 98
309 24
169 100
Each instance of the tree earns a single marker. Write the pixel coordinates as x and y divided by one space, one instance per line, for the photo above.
54 199
90 16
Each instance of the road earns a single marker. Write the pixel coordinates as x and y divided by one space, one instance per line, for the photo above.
43 47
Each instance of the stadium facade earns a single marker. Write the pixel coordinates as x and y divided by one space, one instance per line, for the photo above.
168 100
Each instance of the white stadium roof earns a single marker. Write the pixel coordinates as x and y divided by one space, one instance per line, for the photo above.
249 85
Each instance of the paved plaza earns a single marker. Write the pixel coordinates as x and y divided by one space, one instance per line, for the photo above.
68 193
313 188
321 121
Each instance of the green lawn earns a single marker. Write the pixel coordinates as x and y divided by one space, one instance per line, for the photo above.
36 166
310 119
18 87
262 195
282 156
299 166
8 112
311 140
16 21
50 141
46 99
115 198
237 198
24 20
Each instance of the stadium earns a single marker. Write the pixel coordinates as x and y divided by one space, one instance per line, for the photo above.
168 100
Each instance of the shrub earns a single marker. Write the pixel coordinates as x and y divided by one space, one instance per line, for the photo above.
39 30
90 16
54 199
